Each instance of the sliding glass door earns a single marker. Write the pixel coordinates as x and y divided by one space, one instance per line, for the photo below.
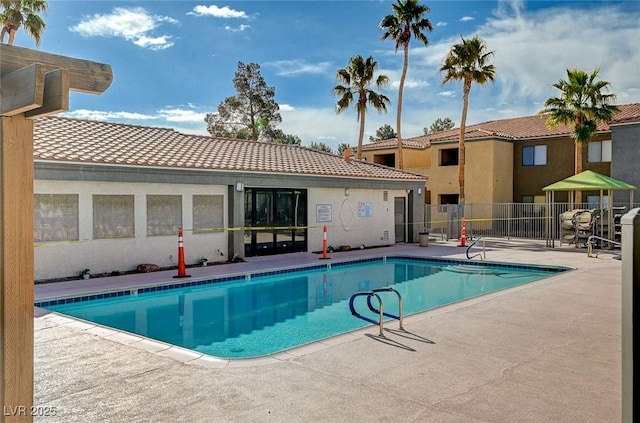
278 220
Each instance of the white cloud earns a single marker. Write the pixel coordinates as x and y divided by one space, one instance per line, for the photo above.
533 49
298 67
441 23
323 125
218 12
532 52
181 115
107 116
409 83
564 38
467 18
238 28
157 43
133 25
185 121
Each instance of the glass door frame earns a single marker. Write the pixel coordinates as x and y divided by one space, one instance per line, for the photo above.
280 218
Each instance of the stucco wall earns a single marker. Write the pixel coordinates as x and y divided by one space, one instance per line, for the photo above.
416 158
64 259
529 180
347 227
624 159
412 157
488 172
442 179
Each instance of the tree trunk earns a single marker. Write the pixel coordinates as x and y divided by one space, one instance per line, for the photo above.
399 114
463 123
360 136
578 168
12 36
362 103
11 28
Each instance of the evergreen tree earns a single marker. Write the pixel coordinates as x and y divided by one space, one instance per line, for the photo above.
385 132
439 125
252 113
320 146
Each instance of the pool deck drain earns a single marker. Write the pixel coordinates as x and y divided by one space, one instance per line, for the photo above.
548 351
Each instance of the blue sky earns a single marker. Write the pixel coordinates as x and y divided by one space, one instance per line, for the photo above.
174 61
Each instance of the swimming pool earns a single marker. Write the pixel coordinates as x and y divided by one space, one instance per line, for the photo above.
259 314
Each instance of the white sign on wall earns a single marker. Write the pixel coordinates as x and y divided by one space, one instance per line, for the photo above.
323 212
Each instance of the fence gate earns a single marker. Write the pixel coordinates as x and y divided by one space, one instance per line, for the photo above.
455 212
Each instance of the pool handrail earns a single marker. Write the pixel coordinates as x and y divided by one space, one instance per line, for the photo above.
590 245
399 317
368 294
482 255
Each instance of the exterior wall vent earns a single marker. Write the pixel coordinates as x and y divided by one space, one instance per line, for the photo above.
385 235
385 195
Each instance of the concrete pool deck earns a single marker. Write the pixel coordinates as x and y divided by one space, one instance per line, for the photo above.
547 351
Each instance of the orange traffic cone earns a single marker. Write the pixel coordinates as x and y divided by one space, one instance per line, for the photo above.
324 243
182 271
463 234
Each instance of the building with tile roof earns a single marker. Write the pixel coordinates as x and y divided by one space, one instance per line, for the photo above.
109 197
511 160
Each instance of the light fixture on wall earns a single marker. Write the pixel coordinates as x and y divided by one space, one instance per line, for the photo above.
346 192
239 186
419 191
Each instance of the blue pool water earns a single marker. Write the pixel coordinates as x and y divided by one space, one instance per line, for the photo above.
256 315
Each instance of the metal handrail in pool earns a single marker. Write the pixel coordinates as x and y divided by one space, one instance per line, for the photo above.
381 313
368 294
400 312
483 255
590 245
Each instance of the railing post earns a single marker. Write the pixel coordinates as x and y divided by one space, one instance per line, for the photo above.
630 299
508 221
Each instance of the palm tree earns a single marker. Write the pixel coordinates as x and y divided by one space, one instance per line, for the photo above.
582 104
356 77
22 12
407 19
467 62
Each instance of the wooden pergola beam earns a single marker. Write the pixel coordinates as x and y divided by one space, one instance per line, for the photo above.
55 97
32 84
22 90
84 75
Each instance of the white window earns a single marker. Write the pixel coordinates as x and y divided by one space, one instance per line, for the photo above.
534 155
599 151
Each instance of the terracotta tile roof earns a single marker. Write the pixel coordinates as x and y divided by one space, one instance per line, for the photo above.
520 128
628 114
414 142
84 141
